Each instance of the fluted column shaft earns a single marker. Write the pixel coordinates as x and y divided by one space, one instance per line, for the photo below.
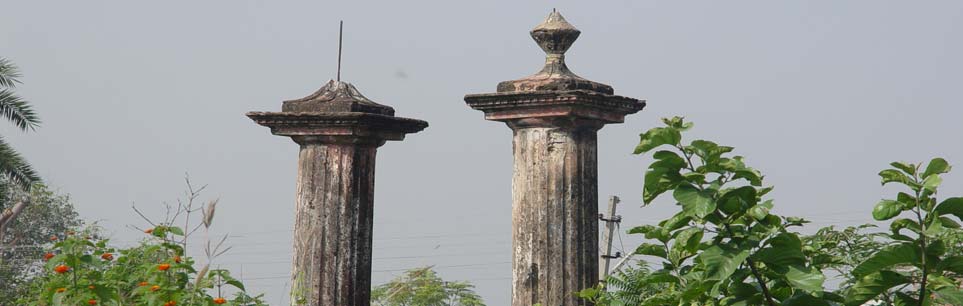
554 211
333 225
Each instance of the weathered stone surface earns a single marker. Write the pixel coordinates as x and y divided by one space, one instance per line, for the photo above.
339 132
554 210
336 96
333 223
554 116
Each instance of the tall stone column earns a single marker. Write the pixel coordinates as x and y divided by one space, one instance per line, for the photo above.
339 132
554 116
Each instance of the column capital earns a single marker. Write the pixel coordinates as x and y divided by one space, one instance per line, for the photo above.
565 104
338 127
337 113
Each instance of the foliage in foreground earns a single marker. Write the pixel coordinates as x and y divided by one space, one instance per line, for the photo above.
48 214
82 269
423 287
724 247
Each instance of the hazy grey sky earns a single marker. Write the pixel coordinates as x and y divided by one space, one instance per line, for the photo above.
819 95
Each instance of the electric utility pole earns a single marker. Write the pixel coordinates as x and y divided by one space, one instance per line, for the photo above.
610 223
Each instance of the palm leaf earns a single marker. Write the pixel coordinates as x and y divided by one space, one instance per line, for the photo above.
18 111
15 168
8 73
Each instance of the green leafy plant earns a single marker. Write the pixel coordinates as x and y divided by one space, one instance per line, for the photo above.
914 267
83 269
21 249
624 288
423 287
724 247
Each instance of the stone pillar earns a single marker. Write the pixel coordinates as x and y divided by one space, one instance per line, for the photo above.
554 116
339 132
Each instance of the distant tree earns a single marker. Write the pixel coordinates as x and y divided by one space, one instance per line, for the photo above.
21 251
423 287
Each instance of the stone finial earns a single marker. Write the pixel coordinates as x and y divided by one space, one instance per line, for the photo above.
554 35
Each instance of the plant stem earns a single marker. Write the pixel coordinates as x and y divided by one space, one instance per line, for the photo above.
919 217
755 272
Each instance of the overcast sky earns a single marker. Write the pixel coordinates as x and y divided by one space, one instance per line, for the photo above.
819 95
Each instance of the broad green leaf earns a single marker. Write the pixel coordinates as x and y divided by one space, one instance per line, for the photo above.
752 175
176 230
237 284
932 182
903 299
709 151
697 203
738 199
907 200
904 253
676 222
803 299
651 249
806 278
656 137
953 264
660 277
936 166
689 239
642 229
660 234
662 175
721 262
952 206
893 175
910 169
780 258
784 250
950 296
887 209
759 212
936 248
949 223
872 285
902 223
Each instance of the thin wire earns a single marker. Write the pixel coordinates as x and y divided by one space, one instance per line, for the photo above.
618 227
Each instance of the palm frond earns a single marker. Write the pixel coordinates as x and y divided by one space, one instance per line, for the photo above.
18 111
15 168
8 73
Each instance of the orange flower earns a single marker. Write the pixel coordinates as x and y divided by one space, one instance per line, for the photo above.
149 230
163 267
61 290
107 256
142 284
92 302
154 288
220 301
53 238
177 259
170 303
48 256
91 287
61 269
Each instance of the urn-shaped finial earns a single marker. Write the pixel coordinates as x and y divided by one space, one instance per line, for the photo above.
555 35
